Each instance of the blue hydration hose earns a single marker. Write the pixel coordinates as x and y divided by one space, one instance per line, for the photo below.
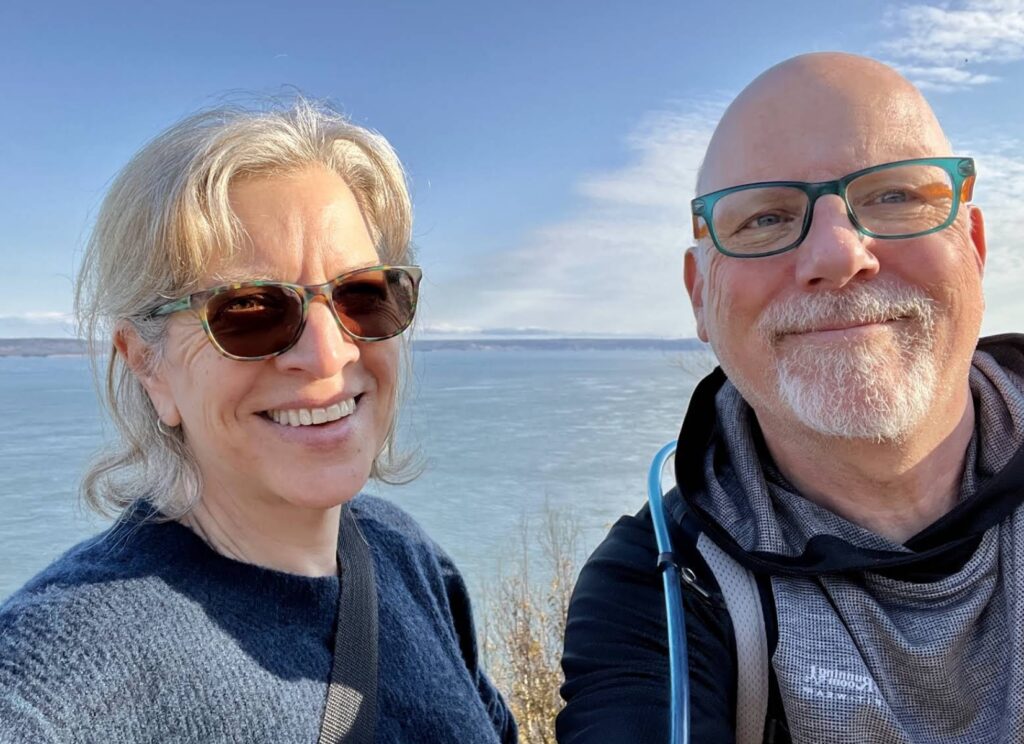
679 688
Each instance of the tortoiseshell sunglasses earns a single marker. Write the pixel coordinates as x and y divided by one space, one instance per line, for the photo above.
249 321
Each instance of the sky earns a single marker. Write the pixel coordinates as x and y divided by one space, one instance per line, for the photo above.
551 147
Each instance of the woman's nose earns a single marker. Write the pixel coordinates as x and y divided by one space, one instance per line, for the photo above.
323 349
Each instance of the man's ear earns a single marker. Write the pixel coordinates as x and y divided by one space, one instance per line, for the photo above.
977 233
694 282
138 357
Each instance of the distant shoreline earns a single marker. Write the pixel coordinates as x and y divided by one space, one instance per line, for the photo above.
57 347
42 347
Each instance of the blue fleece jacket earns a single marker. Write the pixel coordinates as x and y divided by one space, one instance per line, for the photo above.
145 634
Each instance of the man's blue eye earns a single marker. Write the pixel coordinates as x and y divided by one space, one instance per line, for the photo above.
771 219
893 197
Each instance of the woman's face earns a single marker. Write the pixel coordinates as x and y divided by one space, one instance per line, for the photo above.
304 228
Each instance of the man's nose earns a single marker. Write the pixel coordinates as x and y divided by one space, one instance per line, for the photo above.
834 253
323 349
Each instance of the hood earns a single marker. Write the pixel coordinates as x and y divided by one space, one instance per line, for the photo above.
732 487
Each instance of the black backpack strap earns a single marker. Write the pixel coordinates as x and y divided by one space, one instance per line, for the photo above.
351 712
776 728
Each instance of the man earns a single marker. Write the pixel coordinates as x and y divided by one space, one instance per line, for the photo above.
859 454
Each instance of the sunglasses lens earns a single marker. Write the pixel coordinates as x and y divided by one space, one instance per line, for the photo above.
376 304
254 321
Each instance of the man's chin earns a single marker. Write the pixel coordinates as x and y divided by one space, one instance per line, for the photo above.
869 397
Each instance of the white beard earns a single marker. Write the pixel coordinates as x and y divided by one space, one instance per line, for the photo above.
877 388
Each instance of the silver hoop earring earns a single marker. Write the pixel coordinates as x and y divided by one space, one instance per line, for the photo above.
164 429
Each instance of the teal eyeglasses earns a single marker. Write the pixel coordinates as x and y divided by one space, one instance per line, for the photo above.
894 201
249 321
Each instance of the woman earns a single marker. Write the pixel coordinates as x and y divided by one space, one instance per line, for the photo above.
252 271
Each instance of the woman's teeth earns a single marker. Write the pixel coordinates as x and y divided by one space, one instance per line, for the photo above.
312 416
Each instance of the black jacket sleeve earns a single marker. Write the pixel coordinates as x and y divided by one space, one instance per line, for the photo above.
616 647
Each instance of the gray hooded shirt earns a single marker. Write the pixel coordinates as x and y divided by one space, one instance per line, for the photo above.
879 641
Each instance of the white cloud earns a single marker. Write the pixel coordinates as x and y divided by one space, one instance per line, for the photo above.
38 316
944 79
449 329
937 43
615 265
36 323
1000 171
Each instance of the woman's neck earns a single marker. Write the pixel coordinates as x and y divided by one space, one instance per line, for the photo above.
272 534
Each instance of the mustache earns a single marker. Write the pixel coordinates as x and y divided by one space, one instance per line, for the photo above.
873 302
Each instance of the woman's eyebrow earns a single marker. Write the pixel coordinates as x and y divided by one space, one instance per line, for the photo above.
361 266
232 276
235 276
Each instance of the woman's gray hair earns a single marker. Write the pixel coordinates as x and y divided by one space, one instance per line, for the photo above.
165 218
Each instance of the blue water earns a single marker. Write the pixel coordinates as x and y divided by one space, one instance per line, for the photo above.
504 433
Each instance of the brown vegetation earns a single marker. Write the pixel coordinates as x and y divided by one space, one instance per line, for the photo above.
525 622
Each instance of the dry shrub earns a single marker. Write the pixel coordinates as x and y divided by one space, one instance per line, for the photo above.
697 364
525 622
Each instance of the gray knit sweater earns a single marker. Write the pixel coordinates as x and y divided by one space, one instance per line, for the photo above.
145 634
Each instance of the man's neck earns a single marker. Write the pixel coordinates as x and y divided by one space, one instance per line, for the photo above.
269 533
892 489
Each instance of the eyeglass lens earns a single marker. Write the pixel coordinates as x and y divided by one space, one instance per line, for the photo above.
900 201
376 304
258 321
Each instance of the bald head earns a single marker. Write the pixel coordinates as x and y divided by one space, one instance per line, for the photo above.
817 117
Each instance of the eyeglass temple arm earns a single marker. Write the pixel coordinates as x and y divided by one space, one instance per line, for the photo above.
171 307
967 190
700 228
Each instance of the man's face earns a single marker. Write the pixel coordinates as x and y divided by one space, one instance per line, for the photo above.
846 335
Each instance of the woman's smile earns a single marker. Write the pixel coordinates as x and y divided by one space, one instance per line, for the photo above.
320 428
